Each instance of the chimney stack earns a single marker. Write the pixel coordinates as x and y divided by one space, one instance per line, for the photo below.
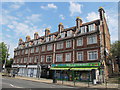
20 41
60 27
78 22
47 31
101 13
27 38
36 35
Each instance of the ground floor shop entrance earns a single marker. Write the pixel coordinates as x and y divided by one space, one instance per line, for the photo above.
77 72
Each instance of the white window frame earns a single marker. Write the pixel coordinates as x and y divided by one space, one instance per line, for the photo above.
49 47
91 27
42 58
37 49
47 39
88 57
22 53
59 56
25 60
68 57
36 59
26 51
69 33
30 59
68 43
82 57
60 45
78 41
62 35
43 48
94 40
32 50
47 58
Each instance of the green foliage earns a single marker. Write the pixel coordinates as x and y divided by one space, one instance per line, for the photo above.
115 49
9 62
3 53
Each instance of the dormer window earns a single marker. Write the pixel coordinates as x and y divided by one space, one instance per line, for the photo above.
84 29
39 41
47 39
69 33
52 38
91 27
62 35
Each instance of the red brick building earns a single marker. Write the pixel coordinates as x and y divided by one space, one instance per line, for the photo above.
81 50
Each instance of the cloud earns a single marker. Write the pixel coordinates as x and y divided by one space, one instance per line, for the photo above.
7 35
52 6
62 16
75 8
33 18
92 16
16 5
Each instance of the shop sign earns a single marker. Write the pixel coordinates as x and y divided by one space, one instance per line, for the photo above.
77 65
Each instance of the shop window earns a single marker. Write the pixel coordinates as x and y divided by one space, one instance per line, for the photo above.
92 55
49 58
92 39
68 56
80 56
59 57
80 41
68 43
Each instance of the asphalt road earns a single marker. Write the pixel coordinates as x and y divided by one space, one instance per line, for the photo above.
8 82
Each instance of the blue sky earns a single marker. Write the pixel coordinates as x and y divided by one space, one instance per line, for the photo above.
24 18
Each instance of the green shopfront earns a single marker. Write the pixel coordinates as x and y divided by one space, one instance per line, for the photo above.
77 71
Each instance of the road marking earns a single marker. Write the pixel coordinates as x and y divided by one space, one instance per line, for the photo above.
15 86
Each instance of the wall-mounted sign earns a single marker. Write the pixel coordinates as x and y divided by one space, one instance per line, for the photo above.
77 65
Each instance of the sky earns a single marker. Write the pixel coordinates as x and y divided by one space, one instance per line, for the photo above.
19 19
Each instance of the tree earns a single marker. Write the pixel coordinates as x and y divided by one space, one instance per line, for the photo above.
9 63
3 52
115 49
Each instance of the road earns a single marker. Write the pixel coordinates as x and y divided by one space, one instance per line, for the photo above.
8 82
16 84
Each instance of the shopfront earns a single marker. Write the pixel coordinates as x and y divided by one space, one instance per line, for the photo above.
77 72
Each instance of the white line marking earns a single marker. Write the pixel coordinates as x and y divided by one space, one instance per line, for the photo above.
15 86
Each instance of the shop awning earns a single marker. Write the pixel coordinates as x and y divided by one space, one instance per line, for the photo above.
83 69
59 68
80 69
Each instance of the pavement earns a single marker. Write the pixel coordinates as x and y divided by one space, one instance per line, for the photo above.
69 83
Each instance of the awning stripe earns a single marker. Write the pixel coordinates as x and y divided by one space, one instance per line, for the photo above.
72 68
